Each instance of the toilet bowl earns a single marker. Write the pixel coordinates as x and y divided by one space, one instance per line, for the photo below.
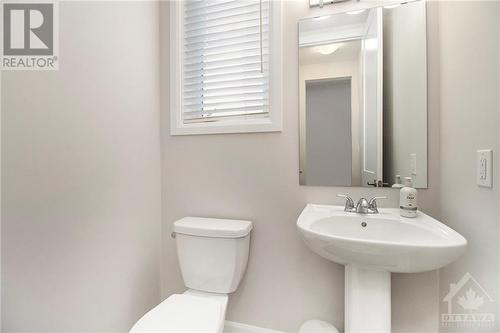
213 255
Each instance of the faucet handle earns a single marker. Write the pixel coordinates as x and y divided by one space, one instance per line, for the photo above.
373 203
348 198
349 203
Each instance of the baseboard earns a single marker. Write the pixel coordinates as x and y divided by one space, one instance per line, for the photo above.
234 327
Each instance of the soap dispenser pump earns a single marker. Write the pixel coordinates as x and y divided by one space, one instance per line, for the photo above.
408 199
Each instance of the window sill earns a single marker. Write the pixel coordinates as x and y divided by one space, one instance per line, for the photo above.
227 127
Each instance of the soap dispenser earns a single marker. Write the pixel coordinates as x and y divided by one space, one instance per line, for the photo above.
408 199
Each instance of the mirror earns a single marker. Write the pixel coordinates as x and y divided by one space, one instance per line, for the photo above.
363 97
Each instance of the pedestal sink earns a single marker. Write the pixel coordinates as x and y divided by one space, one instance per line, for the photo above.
371 246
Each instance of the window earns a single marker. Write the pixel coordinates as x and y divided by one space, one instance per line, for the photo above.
225 66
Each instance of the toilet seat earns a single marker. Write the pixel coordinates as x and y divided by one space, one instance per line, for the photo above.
189 312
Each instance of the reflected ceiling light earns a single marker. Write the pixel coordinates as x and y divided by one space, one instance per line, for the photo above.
356 12
327 49
392 6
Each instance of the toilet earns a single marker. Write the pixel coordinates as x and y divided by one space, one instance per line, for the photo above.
213 256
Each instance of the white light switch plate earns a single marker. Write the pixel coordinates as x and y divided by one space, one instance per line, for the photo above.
484 168
413 164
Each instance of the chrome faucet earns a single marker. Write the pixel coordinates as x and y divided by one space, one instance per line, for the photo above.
362 207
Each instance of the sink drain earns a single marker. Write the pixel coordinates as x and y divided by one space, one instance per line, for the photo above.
363 224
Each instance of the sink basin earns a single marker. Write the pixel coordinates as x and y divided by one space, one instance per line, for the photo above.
371 246
383 241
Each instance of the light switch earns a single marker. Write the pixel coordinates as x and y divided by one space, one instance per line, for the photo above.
413 164
484 168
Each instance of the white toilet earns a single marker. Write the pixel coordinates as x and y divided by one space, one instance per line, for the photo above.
213 256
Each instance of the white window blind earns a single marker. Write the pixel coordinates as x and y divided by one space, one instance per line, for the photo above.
225 59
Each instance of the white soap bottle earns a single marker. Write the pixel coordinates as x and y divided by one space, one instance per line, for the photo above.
408 199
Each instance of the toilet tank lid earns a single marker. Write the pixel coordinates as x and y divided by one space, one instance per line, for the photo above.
209 227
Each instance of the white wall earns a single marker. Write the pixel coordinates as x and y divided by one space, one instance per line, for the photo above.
81 176
255 177
469 35
405 92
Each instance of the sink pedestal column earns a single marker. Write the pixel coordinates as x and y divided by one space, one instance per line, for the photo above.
367 300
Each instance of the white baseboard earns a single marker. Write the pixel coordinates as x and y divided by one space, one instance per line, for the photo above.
234 327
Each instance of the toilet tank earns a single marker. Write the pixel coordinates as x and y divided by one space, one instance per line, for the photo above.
212 253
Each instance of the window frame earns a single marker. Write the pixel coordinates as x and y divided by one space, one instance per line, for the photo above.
241 124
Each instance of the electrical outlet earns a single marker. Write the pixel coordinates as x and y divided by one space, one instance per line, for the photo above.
484 168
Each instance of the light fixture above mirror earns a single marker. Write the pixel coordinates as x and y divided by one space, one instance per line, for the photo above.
321 3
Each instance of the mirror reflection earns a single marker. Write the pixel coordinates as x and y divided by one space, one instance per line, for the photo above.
363 97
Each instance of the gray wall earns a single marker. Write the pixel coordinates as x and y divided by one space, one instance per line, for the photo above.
470 120
255 177
81 176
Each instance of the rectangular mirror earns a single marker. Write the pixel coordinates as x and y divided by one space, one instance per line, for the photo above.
363 97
